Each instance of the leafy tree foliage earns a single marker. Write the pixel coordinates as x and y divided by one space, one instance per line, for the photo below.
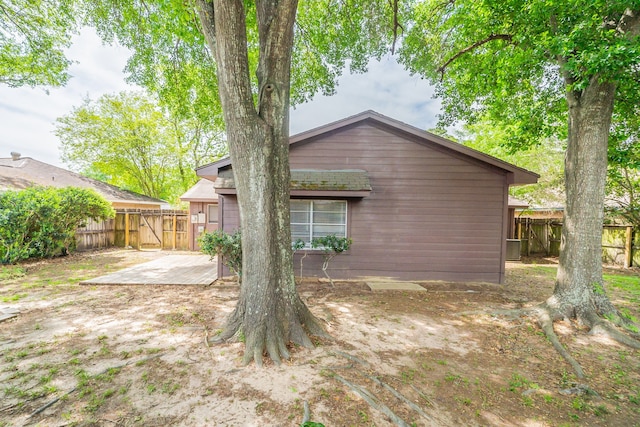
33 35
545 158
243 51
129 141
226 245
41 222
565 68
331 247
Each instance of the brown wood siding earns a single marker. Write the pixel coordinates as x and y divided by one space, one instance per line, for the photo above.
194 209
230 222
431 215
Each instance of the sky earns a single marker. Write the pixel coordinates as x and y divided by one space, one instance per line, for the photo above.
27 116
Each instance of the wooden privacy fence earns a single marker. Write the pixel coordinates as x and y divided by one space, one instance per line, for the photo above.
137 228
95 235
620 243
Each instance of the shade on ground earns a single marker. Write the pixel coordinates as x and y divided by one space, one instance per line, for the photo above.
168 270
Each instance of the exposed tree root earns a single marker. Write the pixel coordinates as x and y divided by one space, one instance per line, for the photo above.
382 384
307 413
545 315
399 396
372 401
291 322
602 327
545 321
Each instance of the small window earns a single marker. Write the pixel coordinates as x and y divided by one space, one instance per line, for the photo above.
317 218
212 214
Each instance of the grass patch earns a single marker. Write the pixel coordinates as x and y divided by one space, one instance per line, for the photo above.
13 298
11 272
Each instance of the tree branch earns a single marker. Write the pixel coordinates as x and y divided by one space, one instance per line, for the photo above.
396 24
205 11
490 38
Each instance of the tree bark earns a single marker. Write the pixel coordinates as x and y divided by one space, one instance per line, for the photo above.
269 314
579 291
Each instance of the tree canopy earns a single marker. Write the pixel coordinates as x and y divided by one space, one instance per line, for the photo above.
567 69
33 36
515 62
128 140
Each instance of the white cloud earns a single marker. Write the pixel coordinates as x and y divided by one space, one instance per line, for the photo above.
386 88
27 115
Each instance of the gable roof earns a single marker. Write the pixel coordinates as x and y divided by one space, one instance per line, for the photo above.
520 176
24 172
202 191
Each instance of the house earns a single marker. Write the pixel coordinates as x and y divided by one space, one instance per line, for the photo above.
417 206
18 173
203 210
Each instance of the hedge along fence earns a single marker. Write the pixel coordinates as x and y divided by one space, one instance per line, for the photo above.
620 243
41 222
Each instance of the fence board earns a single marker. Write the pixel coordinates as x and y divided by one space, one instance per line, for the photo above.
620 244
166 229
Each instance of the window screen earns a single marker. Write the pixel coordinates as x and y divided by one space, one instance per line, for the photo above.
318 218
212 214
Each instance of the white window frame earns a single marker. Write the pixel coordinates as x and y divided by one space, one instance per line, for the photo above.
209 214
312 223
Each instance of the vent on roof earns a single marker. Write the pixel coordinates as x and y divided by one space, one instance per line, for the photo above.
15 155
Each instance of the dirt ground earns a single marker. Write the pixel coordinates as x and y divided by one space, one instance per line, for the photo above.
136 355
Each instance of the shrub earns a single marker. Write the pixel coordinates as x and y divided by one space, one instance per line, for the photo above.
41 222
225 245
331 245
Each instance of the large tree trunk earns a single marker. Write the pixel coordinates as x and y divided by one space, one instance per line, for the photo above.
269 313
579 291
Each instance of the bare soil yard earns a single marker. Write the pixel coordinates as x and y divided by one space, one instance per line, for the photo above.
136 355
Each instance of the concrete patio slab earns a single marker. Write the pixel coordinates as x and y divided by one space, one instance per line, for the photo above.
167 270
394 285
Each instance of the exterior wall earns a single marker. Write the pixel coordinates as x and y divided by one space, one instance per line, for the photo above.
431 215
196 228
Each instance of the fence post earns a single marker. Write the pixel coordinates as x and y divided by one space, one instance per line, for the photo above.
175 230
529 237
126 229
628 248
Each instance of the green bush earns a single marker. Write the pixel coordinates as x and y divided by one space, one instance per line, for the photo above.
331 245
228 246
41 222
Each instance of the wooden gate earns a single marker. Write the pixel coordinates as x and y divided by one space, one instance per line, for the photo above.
149 229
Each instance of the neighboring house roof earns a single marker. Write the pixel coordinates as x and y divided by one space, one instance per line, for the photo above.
519 175
517 203
17 173
202 191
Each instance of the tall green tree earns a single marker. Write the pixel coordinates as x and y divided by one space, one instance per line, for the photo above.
33 36
246 48
128 140
544 67
546 158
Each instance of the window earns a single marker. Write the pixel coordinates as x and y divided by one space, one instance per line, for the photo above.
212 214
318 218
